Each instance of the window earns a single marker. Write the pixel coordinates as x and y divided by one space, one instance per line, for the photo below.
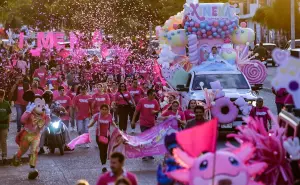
228 81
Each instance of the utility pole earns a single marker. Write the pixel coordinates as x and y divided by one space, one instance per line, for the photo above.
150 37
292 24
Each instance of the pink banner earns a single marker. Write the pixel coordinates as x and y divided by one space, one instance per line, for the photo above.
148 143
82 139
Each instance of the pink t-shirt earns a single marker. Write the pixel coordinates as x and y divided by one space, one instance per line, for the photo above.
281 95
41 74
289 100
99 100
103 124
145 107
53 79
66 102
109 179
71 94
136 93
82 103
179 114
261 113
20 100
189 115
120 100
38 92
55 94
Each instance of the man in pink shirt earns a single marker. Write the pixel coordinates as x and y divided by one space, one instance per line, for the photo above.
148 108
117 161
53 78
261 112
281 96
83 110
66 102
137 93
41 73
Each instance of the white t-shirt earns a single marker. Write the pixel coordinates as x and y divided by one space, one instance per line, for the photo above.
23 66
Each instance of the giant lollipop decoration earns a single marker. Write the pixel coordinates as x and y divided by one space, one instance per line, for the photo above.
255 72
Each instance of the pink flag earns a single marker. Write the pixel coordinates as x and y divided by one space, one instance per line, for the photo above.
82 139
199 139
21 40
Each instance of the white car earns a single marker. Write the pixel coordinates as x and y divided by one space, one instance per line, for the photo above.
288 44
234 85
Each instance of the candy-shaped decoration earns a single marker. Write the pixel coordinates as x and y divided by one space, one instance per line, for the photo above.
256 72
177 39
242 36
228 53
194 55
288 74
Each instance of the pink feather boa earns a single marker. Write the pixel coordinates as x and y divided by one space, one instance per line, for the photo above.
269 149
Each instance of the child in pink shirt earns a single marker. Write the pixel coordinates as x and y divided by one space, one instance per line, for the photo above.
174 111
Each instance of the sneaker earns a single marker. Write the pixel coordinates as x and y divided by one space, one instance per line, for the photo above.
33 174
87 146
145 158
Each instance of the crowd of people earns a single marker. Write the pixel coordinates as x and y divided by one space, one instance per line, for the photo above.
98 92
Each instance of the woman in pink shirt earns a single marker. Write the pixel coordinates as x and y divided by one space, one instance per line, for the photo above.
174 111
190 113
41 73
112 93
104 121
17 92
83 111
99 98
123 101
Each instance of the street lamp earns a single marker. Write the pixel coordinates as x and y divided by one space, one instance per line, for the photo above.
292 24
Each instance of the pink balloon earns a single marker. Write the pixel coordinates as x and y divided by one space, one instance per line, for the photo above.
225 28
190 29
209 33
197 25
198 32
243 24
216 23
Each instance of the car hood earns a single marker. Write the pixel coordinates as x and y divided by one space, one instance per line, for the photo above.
230 93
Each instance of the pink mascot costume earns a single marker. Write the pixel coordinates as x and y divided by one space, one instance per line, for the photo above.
36 117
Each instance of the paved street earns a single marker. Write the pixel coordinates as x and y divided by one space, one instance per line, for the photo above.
84 163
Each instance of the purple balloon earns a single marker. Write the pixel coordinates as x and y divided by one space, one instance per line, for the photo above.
214 29
227 22
227 32
208 28
210 37
204 35
218 36
192 23
210 22
203 31
219 30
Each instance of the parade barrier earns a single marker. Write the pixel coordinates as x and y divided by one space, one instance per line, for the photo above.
148 143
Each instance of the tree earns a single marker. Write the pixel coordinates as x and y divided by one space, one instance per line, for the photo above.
278 16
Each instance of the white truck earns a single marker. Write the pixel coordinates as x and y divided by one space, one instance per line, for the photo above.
234 84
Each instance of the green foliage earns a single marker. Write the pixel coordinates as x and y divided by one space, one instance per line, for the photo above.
119 17
278 16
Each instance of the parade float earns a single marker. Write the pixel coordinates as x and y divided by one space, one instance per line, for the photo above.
222 81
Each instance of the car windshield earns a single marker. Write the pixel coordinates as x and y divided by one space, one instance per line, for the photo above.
228 81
